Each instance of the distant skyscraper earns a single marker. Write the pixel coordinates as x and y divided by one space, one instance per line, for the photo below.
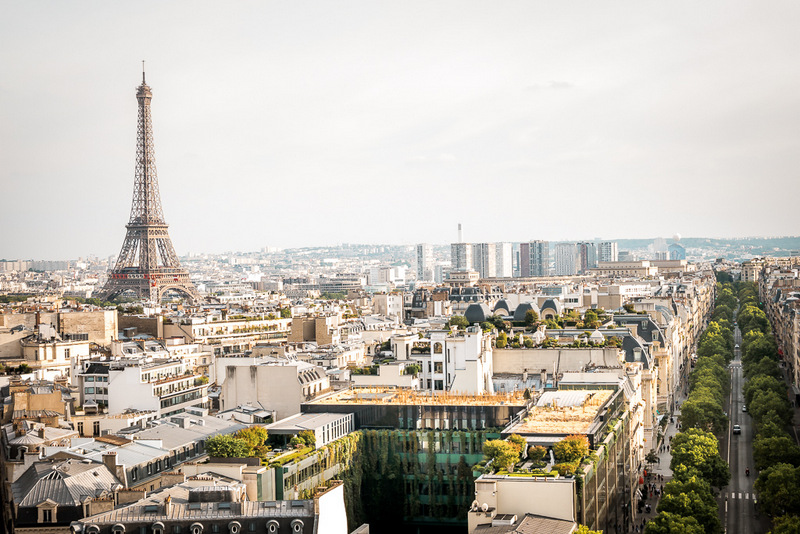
534 259
503 260
566 259
587 256
461 256
608 251
424 262
484 259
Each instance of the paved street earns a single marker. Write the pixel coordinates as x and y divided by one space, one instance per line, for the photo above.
738 501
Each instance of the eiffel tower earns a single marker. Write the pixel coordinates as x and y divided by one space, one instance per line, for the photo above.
147 264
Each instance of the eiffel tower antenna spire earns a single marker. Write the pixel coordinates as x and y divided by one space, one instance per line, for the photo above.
147 264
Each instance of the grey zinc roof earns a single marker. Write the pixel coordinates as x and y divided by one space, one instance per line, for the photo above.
65 482
531 524
182 511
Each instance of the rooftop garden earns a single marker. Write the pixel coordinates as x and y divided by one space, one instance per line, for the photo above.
512 457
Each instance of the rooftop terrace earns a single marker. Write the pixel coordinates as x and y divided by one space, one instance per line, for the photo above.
564 412
403 397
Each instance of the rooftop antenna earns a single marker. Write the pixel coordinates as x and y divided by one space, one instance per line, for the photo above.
143 73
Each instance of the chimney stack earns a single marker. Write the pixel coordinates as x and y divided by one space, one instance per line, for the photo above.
460 236
110 461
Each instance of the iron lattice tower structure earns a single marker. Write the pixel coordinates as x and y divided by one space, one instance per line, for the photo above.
147 264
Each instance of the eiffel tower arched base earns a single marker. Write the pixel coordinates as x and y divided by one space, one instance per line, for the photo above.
149 286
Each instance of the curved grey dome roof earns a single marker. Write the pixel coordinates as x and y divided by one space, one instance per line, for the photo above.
522 309
477 312
502 304
553 304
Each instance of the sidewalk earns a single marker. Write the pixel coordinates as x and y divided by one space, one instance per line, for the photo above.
660 468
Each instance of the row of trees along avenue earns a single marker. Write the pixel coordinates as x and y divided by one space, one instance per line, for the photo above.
775 452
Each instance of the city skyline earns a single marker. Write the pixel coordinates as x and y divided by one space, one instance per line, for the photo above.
287 128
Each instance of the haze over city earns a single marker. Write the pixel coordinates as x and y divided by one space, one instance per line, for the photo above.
314 123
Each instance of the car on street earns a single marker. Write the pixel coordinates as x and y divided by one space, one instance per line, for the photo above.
737 429
744 408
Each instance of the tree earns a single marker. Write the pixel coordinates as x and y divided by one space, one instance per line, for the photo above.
537 453
669 523
528 343
502 340
770 428
583 529
590 319
703 411
227 446
286 313
571 448
692 498
499 323
763 346
459 321
769 451
502 453
531 317
652 457
695 450
765 402
518 442
786 524
254 436
766 367
763 383
751 317
308 437
778 487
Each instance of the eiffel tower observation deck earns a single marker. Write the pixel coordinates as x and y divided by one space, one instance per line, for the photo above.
147 265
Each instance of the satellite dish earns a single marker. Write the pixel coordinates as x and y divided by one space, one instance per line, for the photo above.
485 507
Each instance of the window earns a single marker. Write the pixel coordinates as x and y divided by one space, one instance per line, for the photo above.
66 353
96 428
88 391
88 379
438 367
437 348
176 529
80 428
47 516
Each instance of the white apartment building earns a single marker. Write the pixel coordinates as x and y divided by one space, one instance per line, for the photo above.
504 260
164 386
607 251
484 259
461 256
388 304
425 262
460 361
279 386
566 259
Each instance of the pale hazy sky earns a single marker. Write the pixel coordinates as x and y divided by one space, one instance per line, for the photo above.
306 123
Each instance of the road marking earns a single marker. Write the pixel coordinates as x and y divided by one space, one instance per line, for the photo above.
740 495
746 495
